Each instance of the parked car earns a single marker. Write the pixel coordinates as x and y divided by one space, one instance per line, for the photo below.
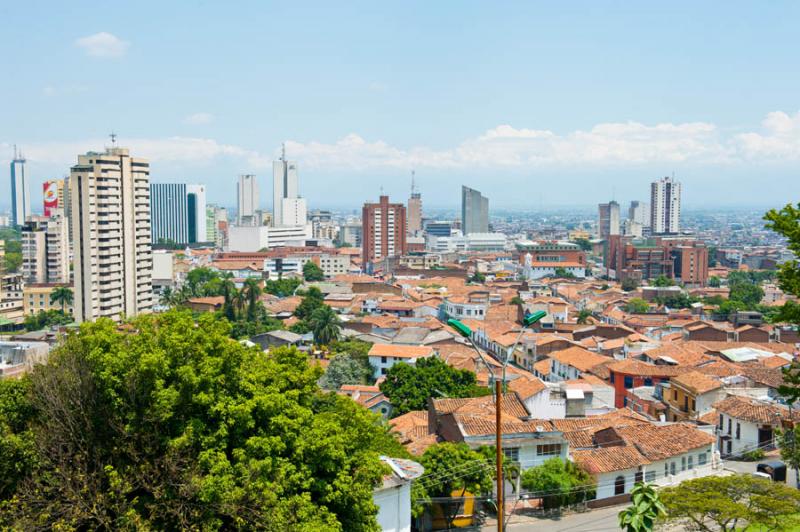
776 470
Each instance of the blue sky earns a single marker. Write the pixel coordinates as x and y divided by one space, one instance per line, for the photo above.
560 103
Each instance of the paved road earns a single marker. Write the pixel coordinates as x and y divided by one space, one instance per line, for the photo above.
602 520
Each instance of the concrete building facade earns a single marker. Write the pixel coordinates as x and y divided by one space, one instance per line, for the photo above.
113 265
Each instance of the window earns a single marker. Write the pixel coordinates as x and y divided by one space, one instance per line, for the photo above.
512 453
693 405
730 424
691 462
650 476
383 360
672 468
548 449
383 371
628 382
666 469
648 381
738 431
683 463
721 422
675 395
702 458
612 377
619 485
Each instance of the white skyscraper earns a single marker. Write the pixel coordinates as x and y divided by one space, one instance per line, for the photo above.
665 206
113 263
639 212
247 200
20 192
285 186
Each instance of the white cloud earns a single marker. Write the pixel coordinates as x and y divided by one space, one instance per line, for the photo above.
199 119
103 44
606 145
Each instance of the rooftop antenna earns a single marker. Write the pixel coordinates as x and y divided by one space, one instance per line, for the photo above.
113 138
283 151
15 152
413 186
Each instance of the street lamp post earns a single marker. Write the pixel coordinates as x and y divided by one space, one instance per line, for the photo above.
466 332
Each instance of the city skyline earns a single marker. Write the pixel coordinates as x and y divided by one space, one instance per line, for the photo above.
362 97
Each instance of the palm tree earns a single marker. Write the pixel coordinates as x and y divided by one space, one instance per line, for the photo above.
584 315
63 295
229 293
167 297
239 300
325 325
252 291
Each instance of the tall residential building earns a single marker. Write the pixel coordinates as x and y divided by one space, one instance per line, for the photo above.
45 249
383 230
113 263
287 205
608 219
20 193
665 206
247 200
414 210
474 211
52 196
196 213
169 213
639 212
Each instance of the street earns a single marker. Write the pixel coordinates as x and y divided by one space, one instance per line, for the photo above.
750 467
603 519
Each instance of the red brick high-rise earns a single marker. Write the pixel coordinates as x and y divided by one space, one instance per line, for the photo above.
383 230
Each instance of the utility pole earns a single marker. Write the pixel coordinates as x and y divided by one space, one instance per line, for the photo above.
498 386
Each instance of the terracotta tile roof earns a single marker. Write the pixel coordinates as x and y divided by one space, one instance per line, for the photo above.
771 377
774 362
482 425
660 442
719 368
637 367
400 351
696 382
511 406
210 300
716 347
608 459
580 431
752 410
287 304
711 417
526 387
578 357
543 366
359 388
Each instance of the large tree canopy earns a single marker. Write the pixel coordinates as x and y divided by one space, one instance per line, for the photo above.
408 387
169 424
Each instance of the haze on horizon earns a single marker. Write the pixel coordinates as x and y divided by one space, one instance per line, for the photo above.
533 104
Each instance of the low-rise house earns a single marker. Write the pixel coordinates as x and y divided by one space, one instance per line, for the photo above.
572 362
393 496
205 304
691 395
629 373
383 356
370 397
624 454
17 358
745 424
278 338
472 421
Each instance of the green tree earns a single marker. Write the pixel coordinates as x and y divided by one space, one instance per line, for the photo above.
408 386
175 426
325 325
725 503
345 368
45 319
477 277
645 509
560 482
748 293
198 279
584 315
312 300
629 284
516 300
584 244
730 306
251 291
17 446
282 287
62 295
790 450
637 305
563 273
662 280
312 272
440 462
714 281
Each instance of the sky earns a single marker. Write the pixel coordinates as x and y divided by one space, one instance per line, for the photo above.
533 103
